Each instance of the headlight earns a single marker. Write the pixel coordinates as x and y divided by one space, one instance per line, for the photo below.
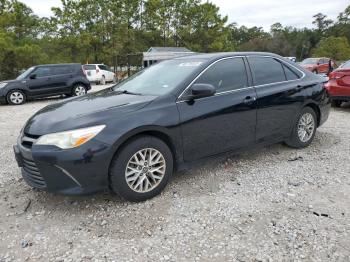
70 139
2 85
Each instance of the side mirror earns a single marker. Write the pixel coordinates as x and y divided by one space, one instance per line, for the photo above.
33 76
202 90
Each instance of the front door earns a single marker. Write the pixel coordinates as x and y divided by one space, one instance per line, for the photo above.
39 81
222 122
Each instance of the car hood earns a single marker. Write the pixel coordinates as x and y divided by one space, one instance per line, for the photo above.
88 110
10 81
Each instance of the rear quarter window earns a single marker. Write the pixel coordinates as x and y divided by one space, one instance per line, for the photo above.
291 74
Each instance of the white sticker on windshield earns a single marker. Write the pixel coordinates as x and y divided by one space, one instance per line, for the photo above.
193 64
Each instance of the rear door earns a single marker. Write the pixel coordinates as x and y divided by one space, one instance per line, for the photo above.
222 122
277 87
61 75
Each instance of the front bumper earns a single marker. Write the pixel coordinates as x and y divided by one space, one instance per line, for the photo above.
77 171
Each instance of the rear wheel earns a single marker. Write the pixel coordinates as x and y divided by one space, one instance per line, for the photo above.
304 129
141 169
16 97
336 103
79 90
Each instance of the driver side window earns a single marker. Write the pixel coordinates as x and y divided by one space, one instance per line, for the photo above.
225 75
42 72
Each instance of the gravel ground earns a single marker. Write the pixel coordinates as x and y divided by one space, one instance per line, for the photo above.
270 204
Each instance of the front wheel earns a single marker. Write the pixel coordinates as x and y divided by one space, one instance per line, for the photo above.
79 90
141 169
304 129
16 97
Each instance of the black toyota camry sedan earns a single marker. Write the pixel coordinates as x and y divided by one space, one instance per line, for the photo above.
132 137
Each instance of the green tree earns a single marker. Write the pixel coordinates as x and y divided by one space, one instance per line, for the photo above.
18 38
337 48
208 31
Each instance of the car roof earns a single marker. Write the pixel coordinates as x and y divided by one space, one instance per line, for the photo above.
67 64
215 56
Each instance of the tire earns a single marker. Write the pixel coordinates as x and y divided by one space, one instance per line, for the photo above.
79 90
296 139
337 103
103 80
138 189
16 97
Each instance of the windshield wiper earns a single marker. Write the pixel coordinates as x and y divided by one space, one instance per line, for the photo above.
128 92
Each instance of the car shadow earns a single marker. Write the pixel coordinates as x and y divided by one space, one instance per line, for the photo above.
180 182
344 107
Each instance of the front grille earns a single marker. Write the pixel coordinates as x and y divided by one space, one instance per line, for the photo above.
28 140
32 175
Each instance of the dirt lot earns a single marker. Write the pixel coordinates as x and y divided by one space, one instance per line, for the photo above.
271 204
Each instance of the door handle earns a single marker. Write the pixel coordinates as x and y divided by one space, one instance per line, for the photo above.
249 100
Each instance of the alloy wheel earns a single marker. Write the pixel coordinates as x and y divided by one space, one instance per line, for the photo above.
16 98
145 170
306 127
79 90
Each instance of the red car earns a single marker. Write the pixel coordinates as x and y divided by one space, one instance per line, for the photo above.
338 85
317 65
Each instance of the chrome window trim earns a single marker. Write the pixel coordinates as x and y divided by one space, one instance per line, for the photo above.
248 87
283 62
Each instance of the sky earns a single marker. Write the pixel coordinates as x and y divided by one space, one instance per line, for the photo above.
261 13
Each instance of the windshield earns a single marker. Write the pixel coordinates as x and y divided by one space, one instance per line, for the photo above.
309 61
161 78
346 65
25 74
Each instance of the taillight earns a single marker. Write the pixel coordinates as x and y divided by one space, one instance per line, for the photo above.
342 78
